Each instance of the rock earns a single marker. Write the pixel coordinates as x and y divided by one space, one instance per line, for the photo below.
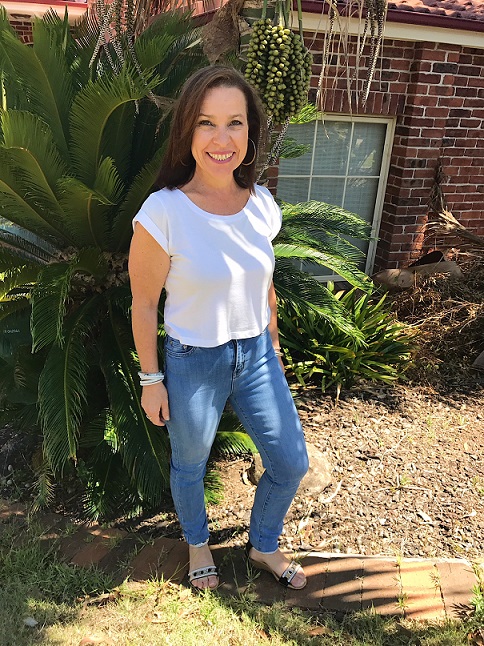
314 482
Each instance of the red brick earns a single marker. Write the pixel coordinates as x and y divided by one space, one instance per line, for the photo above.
8 511
456 583
316 570
95 550
149 560
343 584
420 590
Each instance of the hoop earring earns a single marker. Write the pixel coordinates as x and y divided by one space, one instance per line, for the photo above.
255 154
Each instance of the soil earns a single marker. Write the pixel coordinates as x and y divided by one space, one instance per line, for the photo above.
408 477
407 467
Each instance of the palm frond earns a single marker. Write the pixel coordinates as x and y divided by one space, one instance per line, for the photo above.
15 206
44 485
62 385
49 305
88 212
338 264
16 277
295 286
109 492
213 485
230 443
26 130
144 449
118 136
134 198
151 49
22 246
91 110
107 182
329 217
306 114
45 79
290 149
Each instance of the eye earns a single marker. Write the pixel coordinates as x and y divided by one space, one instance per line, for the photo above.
236 122
205 122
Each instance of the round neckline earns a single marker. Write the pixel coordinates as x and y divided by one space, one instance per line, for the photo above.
215 216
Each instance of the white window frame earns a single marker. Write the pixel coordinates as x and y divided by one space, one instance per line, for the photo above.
382 182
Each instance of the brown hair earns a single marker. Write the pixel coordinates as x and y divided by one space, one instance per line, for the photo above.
178 165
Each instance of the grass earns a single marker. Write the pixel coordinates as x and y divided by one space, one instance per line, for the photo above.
69 606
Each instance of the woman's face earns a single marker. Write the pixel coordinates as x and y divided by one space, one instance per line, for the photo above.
219 143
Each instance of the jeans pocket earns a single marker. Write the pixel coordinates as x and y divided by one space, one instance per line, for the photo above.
175 348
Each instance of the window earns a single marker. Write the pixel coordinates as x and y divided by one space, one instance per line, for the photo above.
347 166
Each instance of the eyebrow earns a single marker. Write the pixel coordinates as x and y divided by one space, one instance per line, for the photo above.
210 116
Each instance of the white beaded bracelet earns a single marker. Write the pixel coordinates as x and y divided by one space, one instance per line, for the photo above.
278 352
150 378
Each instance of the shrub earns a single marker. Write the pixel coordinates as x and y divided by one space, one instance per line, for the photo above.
318 352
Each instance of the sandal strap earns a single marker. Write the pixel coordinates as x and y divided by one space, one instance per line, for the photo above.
289 573
201 573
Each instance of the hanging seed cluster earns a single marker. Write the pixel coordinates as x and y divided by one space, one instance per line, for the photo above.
279 67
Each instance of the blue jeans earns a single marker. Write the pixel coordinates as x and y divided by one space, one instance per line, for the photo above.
247 373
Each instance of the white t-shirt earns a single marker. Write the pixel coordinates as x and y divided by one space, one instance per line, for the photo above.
221 265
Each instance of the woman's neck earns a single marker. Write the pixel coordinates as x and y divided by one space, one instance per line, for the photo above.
221 198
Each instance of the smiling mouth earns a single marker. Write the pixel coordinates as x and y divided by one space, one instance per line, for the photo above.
220 157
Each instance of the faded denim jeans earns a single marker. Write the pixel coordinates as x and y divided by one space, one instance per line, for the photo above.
247 373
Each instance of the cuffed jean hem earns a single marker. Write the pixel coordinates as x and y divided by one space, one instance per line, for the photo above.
199 544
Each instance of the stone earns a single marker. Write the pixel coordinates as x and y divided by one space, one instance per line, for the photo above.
314 482
318 477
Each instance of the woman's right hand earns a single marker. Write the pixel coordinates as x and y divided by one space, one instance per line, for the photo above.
154 400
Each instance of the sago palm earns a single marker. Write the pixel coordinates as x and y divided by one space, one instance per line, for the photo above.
80 148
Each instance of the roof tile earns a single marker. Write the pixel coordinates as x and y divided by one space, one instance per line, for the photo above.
465 9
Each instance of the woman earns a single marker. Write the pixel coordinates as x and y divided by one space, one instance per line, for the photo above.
206 238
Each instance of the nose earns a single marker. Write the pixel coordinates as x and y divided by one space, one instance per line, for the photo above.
221 135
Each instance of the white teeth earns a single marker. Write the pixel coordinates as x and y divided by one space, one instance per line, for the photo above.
220 157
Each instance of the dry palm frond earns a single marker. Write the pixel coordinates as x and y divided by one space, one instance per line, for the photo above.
447 229
346 53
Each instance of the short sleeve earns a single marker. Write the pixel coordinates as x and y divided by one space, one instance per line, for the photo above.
153 217
272 212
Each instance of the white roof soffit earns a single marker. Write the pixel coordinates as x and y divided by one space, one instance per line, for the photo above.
398 31
19 10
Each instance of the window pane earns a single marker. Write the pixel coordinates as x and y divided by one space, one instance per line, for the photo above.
360 197
293 190
332 148
303 133
367 148
329 190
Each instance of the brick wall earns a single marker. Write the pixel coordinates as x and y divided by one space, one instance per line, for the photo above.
23 26
436 93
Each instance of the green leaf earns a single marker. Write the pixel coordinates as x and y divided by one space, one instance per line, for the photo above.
62 385
91 110
229 443
143 447
25 130
134 198
20 247
17 277
291 149
49 305
45 79
15 207
89 212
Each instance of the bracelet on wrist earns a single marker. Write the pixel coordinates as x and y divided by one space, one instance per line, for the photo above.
278 352
150 378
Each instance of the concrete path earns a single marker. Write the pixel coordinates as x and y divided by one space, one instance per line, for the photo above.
430 589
